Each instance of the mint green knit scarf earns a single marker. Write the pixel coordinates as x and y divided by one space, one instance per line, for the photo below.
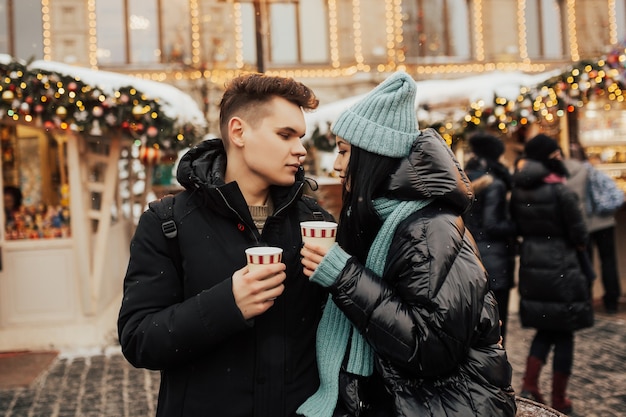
335 330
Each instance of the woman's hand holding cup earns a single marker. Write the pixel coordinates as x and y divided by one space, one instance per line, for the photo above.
318 237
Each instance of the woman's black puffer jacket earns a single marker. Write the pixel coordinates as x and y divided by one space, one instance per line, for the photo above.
431 318
555 294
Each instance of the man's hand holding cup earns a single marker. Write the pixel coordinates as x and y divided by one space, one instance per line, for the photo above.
256 286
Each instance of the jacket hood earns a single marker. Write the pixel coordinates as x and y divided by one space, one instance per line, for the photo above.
432 171
529 173
202 169
204 164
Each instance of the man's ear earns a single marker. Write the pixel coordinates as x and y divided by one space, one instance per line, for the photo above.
235 131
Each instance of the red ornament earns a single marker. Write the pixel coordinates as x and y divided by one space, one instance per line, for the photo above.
149 155
152 131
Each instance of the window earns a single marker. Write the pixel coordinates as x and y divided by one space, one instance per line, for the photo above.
593 27
16 14
298 32
544 29
294 32
143 31
435 31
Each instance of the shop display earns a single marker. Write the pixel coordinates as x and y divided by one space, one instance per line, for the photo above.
602 133
34 182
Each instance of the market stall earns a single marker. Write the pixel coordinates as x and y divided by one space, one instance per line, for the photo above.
78 146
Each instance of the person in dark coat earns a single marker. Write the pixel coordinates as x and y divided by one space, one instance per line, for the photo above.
488 219
230 342
555 295
411 328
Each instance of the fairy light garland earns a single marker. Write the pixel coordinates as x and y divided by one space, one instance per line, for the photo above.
478 31
333 33
51 100
195 31
548 102
93 34
357 34
612 22
571 30
521 30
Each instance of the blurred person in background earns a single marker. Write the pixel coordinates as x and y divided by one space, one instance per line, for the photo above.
555 295
488 219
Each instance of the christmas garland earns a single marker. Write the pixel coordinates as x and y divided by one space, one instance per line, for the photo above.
57 101
548 101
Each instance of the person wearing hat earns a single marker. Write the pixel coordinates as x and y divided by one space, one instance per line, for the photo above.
489 219
410 327
555 295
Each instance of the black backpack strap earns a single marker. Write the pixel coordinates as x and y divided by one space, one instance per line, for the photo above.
313 211
164 208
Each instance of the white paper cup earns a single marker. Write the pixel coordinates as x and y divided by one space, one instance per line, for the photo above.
319 233
260 256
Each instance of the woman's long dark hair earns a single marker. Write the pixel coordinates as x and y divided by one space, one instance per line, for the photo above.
367 176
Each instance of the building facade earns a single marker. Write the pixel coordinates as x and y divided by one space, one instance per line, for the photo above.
339 47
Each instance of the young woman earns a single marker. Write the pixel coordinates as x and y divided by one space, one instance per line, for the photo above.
411 328
555 294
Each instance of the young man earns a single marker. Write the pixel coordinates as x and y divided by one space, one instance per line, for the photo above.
230 342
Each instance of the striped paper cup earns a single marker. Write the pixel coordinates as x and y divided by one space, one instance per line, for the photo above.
259 256
319 233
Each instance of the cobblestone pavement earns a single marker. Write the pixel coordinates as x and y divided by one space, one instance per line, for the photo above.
103 384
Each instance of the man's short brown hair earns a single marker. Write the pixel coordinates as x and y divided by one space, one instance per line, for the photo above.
245 93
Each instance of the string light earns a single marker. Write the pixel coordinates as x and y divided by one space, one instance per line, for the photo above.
194 11
239 62
612 22
571 29
390 20
478 30
333 33
93 34
45 16
356 32
521 30
399 35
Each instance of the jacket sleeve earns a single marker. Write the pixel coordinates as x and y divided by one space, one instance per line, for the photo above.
421 316
158 327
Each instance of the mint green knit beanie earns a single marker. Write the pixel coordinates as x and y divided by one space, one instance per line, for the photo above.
383 122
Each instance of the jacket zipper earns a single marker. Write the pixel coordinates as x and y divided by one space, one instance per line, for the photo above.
231 208
288 203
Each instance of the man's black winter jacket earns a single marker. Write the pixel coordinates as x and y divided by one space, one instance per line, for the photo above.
212 361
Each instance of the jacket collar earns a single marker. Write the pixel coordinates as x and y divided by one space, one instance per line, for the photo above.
202 170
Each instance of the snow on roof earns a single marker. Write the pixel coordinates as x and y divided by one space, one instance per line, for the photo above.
431 92
174 103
